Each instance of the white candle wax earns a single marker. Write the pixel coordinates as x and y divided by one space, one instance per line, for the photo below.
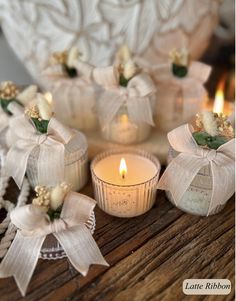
139 171
125 194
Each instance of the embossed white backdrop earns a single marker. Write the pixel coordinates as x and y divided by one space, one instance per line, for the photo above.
34 28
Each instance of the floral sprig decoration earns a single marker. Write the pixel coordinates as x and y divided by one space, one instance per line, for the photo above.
180 62
40 112
50 199
9 92
213 130
66 59
126 66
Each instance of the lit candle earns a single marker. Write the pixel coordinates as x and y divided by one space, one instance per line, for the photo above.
219 105
125 181
124 131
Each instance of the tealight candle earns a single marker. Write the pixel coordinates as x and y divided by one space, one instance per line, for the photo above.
125 181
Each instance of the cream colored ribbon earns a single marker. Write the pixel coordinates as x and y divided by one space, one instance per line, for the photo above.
182 169
50 161
188 88
70 231
135 96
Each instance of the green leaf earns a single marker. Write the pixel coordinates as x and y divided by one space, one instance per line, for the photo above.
216 142
71 72
201 138
124 81
54 214
5 103
179 71
41 125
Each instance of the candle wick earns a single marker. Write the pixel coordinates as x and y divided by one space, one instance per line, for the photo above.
123 175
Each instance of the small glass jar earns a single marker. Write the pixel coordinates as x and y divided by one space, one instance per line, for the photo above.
52 249
125 131
76 163
172 109
196 200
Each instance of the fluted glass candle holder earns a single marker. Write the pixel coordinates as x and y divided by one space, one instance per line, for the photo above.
125 195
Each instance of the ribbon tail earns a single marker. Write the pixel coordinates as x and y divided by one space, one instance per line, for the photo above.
179 174
80 248
140 110
223 185
51 154
21 259
16 161
108 106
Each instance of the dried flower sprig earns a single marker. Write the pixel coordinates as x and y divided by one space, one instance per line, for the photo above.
9 92
40 112
127 68
50 199
180 61
213 130
67 59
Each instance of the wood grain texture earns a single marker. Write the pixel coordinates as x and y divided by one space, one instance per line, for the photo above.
149 258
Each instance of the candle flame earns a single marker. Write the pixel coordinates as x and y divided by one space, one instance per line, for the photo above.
123 168
48 96
219 99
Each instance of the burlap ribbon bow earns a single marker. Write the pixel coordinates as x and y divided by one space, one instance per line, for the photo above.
70 231
135 96
50 162
182 169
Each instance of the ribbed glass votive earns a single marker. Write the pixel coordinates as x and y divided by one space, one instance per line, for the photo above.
76 163
122 130
130 195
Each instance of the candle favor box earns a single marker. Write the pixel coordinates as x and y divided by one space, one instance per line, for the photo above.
12 102
124 181
69 80
199 178
124 106
47 151
180 89
58 223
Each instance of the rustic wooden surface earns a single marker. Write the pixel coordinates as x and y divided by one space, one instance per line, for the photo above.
149 258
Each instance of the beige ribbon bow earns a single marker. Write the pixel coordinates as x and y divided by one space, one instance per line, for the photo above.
135 96
50 162
70 231
182 169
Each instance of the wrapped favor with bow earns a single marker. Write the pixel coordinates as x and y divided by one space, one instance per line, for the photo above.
69 78
124 108
180 85
46 150
12 102
58 213
199 178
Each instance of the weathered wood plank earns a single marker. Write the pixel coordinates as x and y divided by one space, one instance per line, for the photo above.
149 256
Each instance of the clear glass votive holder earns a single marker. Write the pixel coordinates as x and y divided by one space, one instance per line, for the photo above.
128 197
123 130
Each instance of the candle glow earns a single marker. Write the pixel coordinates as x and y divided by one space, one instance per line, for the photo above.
219 102
123 168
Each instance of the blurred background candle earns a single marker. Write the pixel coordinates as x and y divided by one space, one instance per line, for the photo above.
125 181
220 104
